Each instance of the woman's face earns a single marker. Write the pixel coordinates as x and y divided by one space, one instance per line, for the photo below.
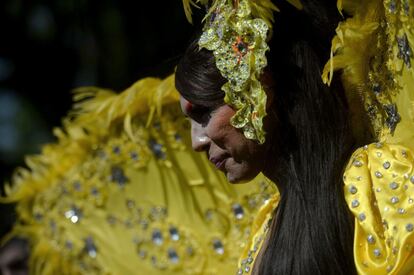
241 159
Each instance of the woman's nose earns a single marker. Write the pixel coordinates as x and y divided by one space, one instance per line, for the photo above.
199 139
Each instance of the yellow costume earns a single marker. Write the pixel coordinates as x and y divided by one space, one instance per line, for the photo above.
122 192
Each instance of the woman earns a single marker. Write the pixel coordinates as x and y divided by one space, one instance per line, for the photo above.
309 140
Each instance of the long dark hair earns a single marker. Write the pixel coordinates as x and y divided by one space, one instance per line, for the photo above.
312 229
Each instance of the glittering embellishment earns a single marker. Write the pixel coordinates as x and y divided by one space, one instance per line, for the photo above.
392 117
74 214
410 200
386 209
157 149
362 217
174 235
401 210
90 247
218 246
240 271
118 176
412 179
405 52
134 156
247 269
116 150
386 165
393 185
378 174
379 154
394 200
357 163
353 190
142 254
238 211
371 239
378 145
392 6
172 255
355 203
377 252
157 237
409 227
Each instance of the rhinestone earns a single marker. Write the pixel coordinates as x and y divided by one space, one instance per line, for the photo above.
90 247
357 163
362 217
376 88
238 211
365 147
404 153
118 176
355 203
393 185
377 252
394 200
378 174
157 237
386 209
378 145
174 235
386 165
406 7
116 150
172 255
392 6
409 227
392 116
94 191
401 210
157 149
410 200
134 155
379 154
247 269
353 189
371 239
412 179
359 178
379 189
250 260
240 271
218 246
74 214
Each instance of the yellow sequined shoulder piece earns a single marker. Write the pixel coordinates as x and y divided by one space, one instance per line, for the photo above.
379 189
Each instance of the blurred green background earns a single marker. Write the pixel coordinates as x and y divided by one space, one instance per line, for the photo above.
50 47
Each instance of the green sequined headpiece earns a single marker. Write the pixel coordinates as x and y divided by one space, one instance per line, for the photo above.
236 31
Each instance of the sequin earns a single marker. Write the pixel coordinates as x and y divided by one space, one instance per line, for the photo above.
386 165
393 185
173 256
353 190
240 271
157 237
401 210
394 200
405 52
90 247
238 211
247 269
377 252
371 239
74 214
357 163
218 246
392 117
355 203
409 227
174 235
410 200
362 217
378 174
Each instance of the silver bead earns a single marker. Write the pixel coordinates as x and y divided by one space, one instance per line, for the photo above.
371 239
393 185
247 269
357 163
394 200
74 214
238 211
377 252
362 217
409 227
174 235
386 165
378 174
352 189
218 246
401 210
355 203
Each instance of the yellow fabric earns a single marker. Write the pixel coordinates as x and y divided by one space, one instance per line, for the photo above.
122 192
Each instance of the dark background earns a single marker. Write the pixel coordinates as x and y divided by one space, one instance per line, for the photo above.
48 48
